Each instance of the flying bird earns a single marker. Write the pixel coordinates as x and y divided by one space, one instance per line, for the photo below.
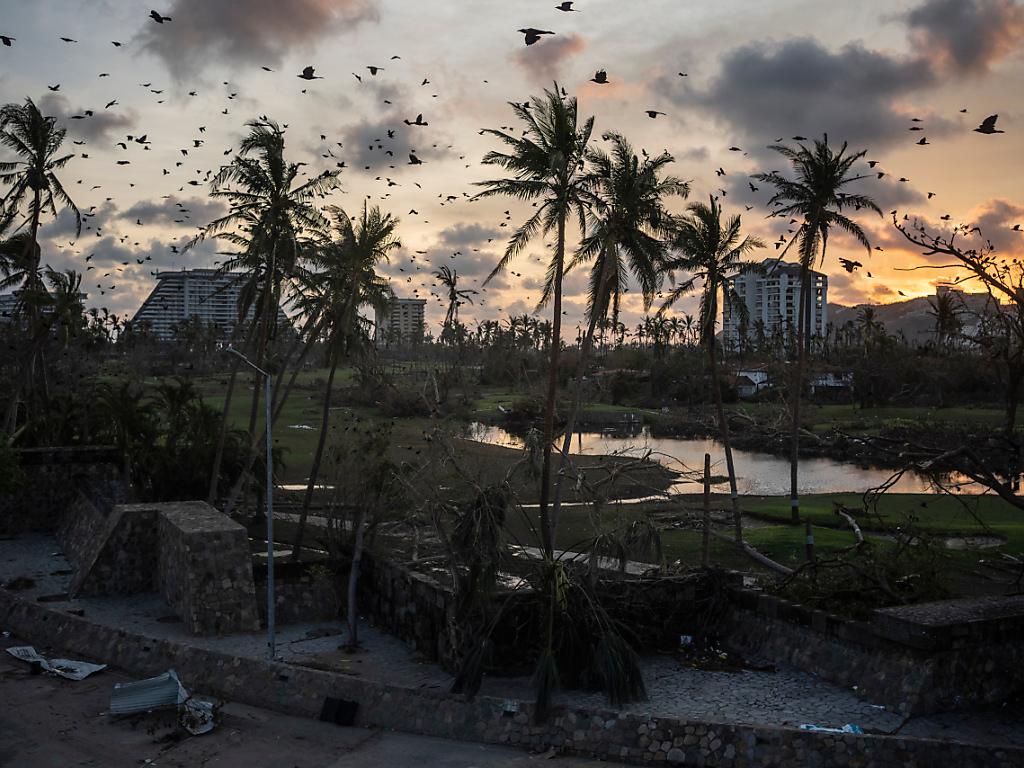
418 121
988 125
600 77
307 74
375 70
7 40
68 40
849 265
533 35
653 113
413 160
566 6
158 18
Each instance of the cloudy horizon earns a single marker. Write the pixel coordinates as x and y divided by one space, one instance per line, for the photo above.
727 74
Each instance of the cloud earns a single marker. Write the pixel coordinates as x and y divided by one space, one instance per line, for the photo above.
190 212
460 236
543 59
258 32
996 219
966 36
103 124
767 92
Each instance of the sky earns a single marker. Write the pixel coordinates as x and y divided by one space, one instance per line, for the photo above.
732 73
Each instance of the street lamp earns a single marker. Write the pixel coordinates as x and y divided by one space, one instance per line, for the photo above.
270 504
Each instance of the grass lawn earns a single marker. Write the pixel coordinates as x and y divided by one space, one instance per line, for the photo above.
851 418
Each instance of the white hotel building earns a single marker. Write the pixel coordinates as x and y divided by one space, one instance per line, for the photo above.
773 298
208 294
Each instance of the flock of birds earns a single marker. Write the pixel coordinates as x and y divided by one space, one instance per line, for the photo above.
425 262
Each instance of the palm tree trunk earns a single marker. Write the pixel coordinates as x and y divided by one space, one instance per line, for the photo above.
723 431
547 532
795 397
596 312
314 470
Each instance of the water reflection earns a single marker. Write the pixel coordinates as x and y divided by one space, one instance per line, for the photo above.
756 473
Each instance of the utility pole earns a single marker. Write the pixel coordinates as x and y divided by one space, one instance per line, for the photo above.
270 503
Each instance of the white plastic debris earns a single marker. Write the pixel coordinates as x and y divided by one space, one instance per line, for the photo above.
848 728
66 668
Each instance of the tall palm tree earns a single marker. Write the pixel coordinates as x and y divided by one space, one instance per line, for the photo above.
36 141
272 221
449 278
712 252
628 228
816 193
545 164
343 279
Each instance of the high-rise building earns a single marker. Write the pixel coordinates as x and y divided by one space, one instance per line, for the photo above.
771 296
401 323
207 294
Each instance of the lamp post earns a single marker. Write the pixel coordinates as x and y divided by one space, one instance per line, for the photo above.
270 504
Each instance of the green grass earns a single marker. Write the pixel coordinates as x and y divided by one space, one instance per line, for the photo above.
851 418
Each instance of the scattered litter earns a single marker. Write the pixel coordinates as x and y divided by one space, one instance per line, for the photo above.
301 426
146 695
339 711
848 728
66 668
197 716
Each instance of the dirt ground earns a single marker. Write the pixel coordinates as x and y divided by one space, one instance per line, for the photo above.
49 722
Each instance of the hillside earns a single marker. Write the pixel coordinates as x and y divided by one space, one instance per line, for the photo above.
909 316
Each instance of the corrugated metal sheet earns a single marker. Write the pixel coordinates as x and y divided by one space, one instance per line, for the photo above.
163 690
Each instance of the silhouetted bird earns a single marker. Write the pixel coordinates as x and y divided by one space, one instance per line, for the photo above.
566 6
533 35
849 265
375 70
7 40
600 77
418 121
158 18
307 74
653 113
413 160
988 125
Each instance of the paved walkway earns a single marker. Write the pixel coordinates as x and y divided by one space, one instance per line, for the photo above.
785 697
47 721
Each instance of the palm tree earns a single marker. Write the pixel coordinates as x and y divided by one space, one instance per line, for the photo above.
815 194
945 310
712 252
36 140
449 278
273 221
546 166
343 279
627 234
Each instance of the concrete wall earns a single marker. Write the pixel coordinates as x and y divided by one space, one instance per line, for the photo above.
610 735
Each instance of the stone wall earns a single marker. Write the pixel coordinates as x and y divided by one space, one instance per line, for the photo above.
298 598
53 478
196 557
630 738
916 660
204 569
113 549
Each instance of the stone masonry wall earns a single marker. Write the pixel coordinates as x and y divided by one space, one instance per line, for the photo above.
113 549
53 479
204 570
637 739
912 664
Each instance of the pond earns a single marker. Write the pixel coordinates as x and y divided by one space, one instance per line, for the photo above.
757 474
